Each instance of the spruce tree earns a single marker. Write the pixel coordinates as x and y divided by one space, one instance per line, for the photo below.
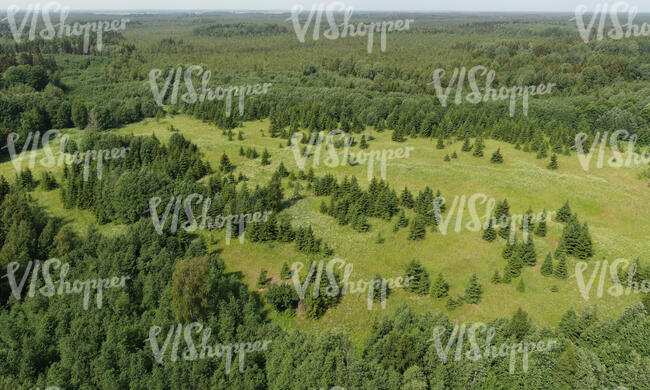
515 263
564 213
402 221
363 144
285 272
496 278
509 249
447 157
519 325
507 275
489 234
266 157
561 271
406 199
440 287
585 248
441 143
474 291
497 158
454 155
540 230
553 164
467 146
528 224
417 230
418 278
262 280
478 148
224 165
547 266
528 254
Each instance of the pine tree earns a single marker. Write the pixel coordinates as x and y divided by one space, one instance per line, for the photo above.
262 280
406 199
561 271
564 213
441 143
528 224
489 234
402 221
565 371
519 325
454 155
224 165
452 304
507 275
467 146
497 158
504 232
496 278
363 144
540 230
447 157
528 254
478 148
509 249
553 164
266 157
440 287
515 263
572 236
585 248
547 266
418 278
285 272
240 135
417 230
474 291
241 151
521 287
282 170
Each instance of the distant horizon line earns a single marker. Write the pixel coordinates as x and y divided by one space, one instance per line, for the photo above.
281 11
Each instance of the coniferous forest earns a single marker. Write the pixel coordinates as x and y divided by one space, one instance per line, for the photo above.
283 200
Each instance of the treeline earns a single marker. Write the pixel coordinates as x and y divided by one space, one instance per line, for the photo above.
221 30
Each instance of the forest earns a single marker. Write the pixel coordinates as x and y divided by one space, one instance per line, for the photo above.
176 302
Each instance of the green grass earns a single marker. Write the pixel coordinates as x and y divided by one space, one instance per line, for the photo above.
613 201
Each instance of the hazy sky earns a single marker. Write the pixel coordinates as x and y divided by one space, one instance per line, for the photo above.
384 5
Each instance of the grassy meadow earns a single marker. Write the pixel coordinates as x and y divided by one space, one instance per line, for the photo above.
613 201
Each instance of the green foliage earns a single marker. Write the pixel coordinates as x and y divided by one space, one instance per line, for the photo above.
419 282
474 291
440 287
282 297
